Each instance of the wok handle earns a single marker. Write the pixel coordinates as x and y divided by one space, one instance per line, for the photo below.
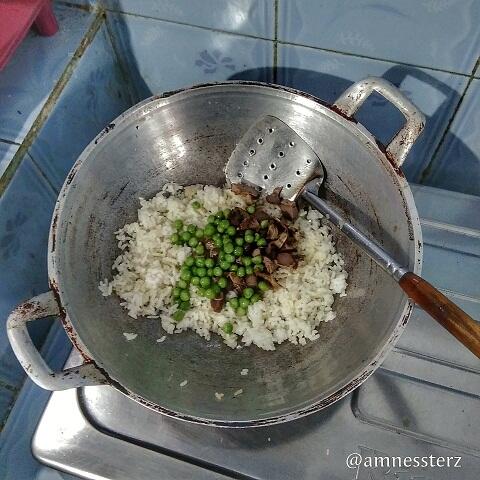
352 99
42 306
463 327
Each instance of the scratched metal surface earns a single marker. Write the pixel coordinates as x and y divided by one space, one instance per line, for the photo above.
423 401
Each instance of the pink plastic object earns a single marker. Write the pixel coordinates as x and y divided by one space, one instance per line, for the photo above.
16 17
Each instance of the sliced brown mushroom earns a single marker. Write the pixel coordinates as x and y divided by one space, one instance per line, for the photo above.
286 260
249 223
269 279
261 215
218 302
271 250
237 282
251 281
245 191
272 232
256 252
274 197
270 265
282 238
289 209
237 215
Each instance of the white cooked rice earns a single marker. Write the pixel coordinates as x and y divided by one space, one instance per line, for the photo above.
148 268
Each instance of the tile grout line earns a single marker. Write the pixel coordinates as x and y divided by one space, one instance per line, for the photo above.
43 177
428 169
8 142
275 41
293 44
50 103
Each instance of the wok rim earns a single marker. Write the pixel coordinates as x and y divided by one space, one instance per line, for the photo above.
362 373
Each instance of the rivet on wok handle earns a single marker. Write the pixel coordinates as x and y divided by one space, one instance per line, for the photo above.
352 99
42 306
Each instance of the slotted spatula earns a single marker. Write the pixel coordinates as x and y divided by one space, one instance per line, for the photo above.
272 155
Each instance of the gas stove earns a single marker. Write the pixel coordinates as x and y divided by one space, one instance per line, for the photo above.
423 402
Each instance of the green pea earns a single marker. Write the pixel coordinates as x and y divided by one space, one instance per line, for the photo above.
217 271
186 236
205 282
196 205
201 272
200 262
227 328
178 224
224 265
176 292
221 255
209 230
200 233
241 271
247 261
248 292
233 302
209 263
261 242
201 292
178 315
211 218
249 238
229 258
249 232
257 260
191 228
220 228
193 242
195 281
226 212
231 230
256 236
184 305
258 268
239 241
233 268
244 302
200 249
237 251
210 272
264 224
175 239
210 293
228 248
226 238
216 288
182 284
249 270
222 282
251 209
219 215
184 296
241 311
189 261
218 242
216 222
263 286
255 298
186 276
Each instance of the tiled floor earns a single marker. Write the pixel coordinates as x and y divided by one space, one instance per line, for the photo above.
7 151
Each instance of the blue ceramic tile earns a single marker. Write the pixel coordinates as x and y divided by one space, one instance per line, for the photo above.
251 17
16 459
36 66
164 56
430 33
26 207
95 94
7 151
327 75
457 165
444 207
7 397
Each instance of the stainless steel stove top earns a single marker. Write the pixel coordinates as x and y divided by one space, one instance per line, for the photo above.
424 401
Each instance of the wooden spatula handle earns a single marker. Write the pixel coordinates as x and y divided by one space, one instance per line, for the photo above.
445 312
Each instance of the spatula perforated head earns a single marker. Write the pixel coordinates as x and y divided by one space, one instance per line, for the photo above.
271 155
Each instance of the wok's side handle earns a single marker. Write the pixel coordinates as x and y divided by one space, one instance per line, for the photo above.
41 306
352 99
445 312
